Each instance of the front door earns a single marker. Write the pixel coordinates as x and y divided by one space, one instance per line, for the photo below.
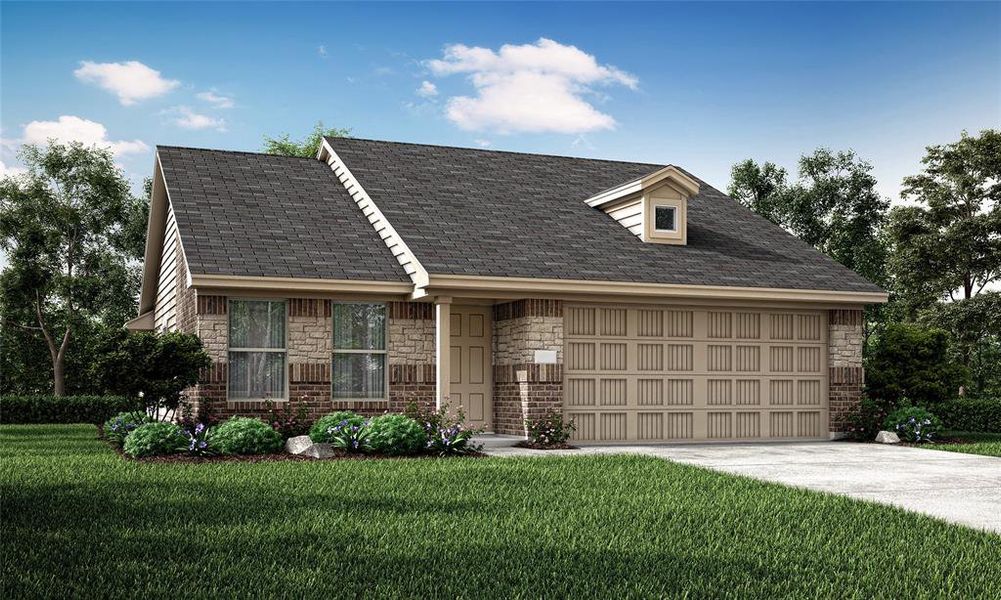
471 364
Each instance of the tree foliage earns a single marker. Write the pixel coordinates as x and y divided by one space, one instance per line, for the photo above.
156 367
760 188
69 226
308 147
911 362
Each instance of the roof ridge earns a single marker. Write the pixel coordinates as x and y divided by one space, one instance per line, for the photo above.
491 151
221 151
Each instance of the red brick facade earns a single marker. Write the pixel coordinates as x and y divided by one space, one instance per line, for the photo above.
527 391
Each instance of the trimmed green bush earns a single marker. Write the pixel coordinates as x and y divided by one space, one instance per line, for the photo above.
971 414
118 427
156 439
396 435
321 433
913 424
245 435
62 409
912 363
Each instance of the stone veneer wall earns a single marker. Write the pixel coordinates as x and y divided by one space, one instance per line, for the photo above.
844 355
524 389
410 356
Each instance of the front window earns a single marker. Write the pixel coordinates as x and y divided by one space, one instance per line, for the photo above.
359 361
256 350
666 218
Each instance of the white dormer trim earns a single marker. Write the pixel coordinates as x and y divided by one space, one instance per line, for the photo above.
634 204
418 274
669 175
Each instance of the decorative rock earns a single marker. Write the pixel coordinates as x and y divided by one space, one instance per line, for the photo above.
887 437
299 444
320 451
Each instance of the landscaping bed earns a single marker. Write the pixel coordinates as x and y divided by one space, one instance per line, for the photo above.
82 522
985 444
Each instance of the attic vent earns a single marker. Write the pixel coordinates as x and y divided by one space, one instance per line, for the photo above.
654 207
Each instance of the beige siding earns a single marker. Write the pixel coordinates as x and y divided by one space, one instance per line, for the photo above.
165 308
629 215
676 373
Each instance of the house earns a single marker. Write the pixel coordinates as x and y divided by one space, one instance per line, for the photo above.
634 298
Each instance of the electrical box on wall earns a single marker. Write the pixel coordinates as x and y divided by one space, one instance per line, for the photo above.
545 357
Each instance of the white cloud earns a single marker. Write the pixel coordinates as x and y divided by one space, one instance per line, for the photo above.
11 171
68 128
427 90
482 143
538 87
131 81
322 50
216 100
189 119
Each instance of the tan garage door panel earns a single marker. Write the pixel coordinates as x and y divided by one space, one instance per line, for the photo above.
691 373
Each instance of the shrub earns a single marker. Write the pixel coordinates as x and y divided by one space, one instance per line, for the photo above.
913 424
396 435
199 443
62 409
445 433
866 419
350 436
245 435
550 430
155 439
118 427
320 432
290 418
971 414
910 361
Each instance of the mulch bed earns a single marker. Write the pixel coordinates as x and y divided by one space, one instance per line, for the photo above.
277 457
527 444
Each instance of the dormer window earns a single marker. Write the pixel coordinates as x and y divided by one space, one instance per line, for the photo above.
666 219
654 207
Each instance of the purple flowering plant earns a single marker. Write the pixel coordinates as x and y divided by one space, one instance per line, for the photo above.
445 430
914 424
550 430
350 435
198 440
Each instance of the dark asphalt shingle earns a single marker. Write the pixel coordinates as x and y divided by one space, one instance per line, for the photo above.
477 212
241 213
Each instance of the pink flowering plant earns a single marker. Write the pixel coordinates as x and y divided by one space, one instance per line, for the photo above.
550 430
447 434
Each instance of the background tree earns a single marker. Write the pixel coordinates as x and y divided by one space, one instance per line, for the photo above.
68 226
911 362
308 147
761 188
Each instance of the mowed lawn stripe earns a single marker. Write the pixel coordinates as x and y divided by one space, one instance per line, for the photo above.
80 521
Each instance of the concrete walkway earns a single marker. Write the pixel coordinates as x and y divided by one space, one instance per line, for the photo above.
961 488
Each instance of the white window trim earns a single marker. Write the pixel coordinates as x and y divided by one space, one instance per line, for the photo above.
230 348
385 351
674 209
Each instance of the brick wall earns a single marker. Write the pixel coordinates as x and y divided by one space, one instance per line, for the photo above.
846 375
524 389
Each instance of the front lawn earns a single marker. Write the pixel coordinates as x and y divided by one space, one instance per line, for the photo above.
79 521
987 444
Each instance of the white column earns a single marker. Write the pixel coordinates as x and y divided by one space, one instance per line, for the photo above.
443 349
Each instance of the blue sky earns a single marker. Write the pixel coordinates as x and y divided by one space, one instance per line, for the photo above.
701 85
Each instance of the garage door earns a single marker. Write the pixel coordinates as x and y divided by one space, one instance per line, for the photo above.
663 374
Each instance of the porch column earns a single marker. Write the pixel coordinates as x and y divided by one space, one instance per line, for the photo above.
443 349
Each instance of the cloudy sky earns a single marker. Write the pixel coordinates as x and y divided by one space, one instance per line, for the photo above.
698 85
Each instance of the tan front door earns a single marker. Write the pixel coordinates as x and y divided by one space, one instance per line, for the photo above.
688 373
471 380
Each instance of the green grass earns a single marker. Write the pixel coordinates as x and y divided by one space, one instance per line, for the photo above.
987 444
78 521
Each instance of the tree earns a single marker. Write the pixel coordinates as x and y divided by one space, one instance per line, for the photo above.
911 362
759 188
834 206
68 226
156 367
975 325
308 147
949 245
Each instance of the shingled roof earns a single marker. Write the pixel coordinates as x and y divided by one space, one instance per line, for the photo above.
248 214
478 212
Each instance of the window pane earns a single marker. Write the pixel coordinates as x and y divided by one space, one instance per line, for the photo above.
359 376
256 324
665 220
359 326
257 375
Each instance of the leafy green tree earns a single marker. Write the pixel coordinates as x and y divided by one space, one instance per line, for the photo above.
975 327
761 188
156 367
949 244
912 362
308 147
68 227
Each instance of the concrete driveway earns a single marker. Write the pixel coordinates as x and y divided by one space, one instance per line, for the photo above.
961 488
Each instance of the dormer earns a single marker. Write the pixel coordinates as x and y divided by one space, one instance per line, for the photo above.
654 207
